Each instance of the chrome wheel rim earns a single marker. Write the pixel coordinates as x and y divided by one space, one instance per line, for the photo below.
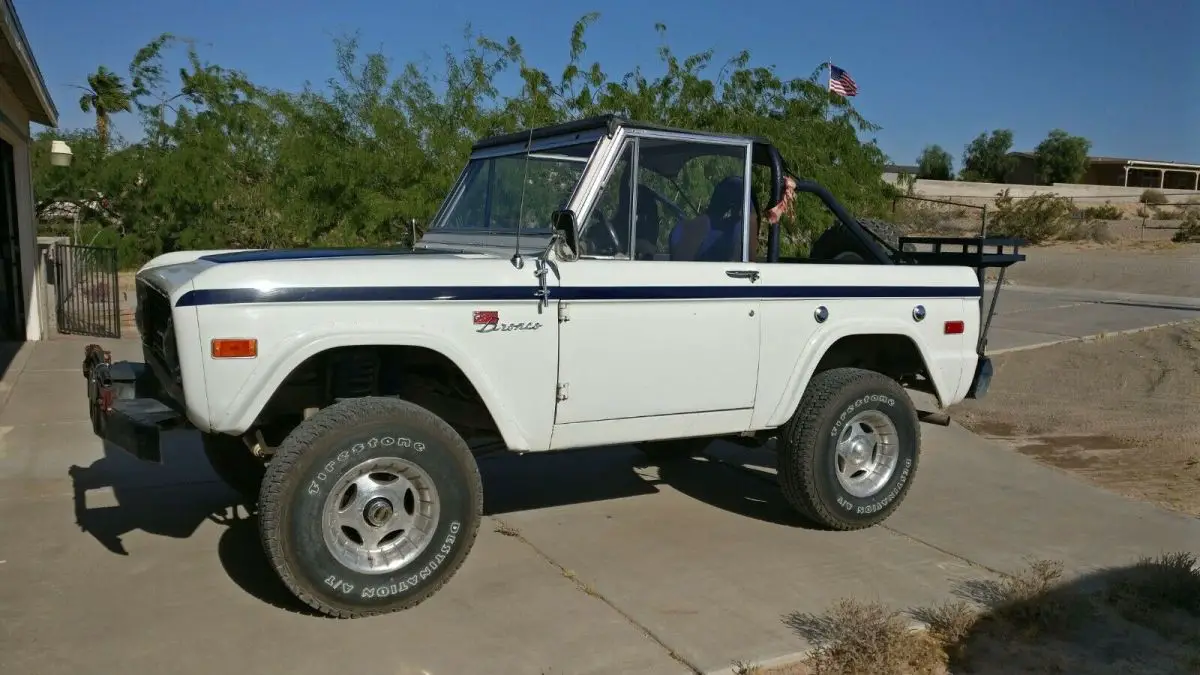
866 454
380 515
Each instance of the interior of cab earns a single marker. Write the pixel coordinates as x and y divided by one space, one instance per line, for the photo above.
702 220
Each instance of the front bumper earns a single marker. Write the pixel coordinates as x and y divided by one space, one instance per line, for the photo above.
127 404
982 380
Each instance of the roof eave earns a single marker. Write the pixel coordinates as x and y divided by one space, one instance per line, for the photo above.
15 35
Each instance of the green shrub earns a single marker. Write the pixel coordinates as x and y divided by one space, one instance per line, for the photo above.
1104 212
1036 219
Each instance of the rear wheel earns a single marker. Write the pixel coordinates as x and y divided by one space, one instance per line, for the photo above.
369 507
848 455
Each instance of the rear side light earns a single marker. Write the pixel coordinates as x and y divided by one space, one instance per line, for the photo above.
234 348
954 328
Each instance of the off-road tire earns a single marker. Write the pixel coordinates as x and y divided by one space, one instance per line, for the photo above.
235 465
673 449
838 242
327 446
806 461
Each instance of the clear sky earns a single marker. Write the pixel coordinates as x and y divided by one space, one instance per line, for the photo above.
1124 73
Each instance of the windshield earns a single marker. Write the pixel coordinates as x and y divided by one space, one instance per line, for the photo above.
489 196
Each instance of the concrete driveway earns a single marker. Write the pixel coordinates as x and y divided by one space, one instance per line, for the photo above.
588 561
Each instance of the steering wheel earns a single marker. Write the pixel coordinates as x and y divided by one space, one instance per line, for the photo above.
614 242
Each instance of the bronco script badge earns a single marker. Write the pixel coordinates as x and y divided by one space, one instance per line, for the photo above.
489 322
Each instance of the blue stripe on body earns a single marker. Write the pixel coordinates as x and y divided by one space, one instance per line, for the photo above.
236 296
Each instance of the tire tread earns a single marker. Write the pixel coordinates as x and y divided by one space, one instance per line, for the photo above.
341 415
800 443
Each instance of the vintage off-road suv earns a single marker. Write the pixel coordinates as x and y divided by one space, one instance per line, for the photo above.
594 283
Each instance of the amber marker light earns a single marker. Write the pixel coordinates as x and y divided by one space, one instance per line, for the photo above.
234 348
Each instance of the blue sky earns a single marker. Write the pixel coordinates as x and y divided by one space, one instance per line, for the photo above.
1123 73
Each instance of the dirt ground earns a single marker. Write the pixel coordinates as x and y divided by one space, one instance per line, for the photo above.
1143 618
1158 268
1123 412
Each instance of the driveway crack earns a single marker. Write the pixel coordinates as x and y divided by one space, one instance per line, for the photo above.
510 531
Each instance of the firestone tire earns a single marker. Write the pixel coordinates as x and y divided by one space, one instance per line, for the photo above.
369 507
848 456
235 465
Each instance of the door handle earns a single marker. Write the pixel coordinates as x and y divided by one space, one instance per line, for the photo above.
752 275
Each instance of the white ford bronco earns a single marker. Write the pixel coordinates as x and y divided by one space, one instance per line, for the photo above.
594 283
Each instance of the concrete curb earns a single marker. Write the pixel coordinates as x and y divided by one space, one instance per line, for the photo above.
1092 338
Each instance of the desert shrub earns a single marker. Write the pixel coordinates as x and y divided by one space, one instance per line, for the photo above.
1105 211
1088 230
1036 219
1152 196
1166 214
856 637
1189 229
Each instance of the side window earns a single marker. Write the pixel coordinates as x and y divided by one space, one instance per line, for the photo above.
606 231
690 201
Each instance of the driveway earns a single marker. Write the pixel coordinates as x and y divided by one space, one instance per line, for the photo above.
588 561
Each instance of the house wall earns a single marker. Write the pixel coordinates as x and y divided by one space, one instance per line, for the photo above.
980 193
14 128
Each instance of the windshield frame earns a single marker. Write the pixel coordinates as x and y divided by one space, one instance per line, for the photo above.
544 147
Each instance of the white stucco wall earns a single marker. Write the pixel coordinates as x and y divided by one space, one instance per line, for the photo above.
14 129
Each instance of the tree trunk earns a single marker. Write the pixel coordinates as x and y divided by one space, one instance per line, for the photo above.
102 128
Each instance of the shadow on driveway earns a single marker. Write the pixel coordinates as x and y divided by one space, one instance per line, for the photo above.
175 498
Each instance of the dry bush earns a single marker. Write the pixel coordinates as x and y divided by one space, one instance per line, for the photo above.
1089 230
1154 586
856 638
930 217
1036 219
1189 229
1152 196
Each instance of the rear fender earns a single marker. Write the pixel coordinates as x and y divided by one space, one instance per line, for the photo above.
943 355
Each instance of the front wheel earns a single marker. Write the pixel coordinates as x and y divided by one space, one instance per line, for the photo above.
369 507
848 455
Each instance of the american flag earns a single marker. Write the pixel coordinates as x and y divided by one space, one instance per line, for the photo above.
841 82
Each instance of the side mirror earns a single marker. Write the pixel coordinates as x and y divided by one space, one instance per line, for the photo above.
563 222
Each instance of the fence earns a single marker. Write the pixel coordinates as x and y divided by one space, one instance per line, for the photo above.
87 298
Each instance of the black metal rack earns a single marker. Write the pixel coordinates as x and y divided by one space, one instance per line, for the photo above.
978 252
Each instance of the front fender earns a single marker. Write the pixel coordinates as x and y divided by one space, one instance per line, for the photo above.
261 383
942 355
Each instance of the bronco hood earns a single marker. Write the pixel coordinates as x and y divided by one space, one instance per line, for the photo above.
174 274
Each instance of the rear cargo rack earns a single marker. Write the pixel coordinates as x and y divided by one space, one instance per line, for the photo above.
978 252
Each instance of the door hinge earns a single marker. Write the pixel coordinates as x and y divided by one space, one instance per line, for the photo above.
562 392
563 315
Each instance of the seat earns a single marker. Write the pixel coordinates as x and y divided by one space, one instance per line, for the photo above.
718 230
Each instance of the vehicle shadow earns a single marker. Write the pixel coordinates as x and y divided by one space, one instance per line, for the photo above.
725 476
174 498
170 499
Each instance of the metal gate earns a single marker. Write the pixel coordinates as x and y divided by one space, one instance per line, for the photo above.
87 299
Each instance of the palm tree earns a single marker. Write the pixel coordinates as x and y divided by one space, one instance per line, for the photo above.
107 94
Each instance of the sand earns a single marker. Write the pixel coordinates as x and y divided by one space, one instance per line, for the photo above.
1123 412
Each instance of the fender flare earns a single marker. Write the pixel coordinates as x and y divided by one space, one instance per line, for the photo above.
814 351
254 395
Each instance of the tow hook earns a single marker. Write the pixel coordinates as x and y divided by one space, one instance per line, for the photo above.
259 447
